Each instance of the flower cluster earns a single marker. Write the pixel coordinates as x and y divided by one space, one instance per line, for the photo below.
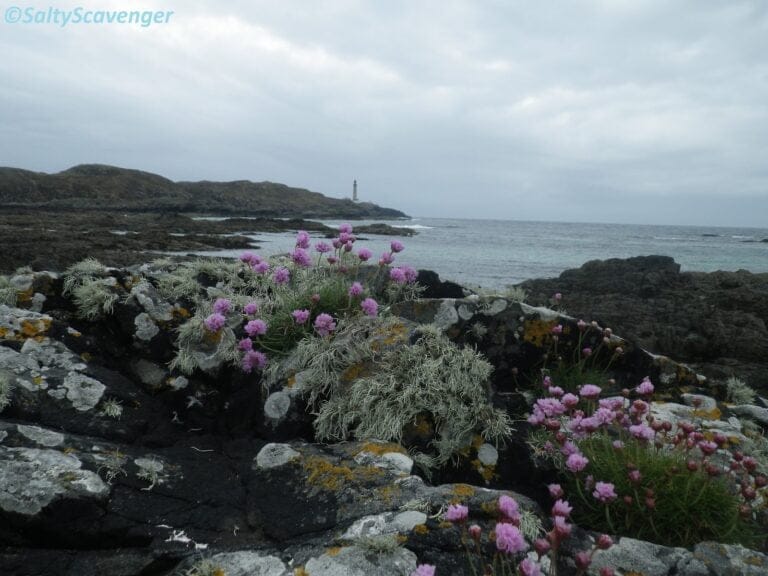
627 469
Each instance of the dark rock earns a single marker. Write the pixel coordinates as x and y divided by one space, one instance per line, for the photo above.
435 288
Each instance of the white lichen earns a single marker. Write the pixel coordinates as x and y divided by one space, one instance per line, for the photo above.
737 391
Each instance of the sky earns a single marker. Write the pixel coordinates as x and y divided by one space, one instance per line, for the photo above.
628 111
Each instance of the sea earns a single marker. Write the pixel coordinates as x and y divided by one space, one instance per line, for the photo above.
495 254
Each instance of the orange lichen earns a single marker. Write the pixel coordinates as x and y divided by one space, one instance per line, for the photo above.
445 524
334 550
181 312
31 328
379 448
299 571
354 372
463 490
219 572
332 477
291 382
538 332
421 529
488 473
713 414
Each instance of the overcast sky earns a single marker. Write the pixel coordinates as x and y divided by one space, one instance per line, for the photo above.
578 110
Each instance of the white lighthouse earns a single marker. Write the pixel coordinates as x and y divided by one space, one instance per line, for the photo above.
354 191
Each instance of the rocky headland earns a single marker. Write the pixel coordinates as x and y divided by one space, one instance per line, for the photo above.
132 444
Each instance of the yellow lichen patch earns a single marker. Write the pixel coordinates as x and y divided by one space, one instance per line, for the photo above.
421 529
396 333
32 328
379 448
334 550
463 490
38 380
299 571
219 572
3 331
86 357
487 472
477 441
538 332
23 296
291 382
713 414
754 561
401 538
181 312
445 524
387 493
491 508
212 337
354 372
332 477
69 450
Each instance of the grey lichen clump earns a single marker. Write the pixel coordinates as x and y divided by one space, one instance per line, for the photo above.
738 392
8 294
92 290
431 378
6 388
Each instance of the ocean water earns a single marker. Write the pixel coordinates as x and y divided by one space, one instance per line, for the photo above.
497 253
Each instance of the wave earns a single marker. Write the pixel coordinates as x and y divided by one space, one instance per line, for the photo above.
413 226
740 237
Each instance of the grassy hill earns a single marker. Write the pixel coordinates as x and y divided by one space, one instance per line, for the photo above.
100 187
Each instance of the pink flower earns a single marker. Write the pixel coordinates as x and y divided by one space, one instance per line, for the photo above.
256 328
475 531
561 527
555 490
528 567
410 274
424 570
605 492
222 305
583 560
301 258
245 344
707 448
642 432
281 276
562 508
332 259
324 324
260 267
590 391
346 238
364 254
557 297
215 322
576 462
509 539
300 316
302 240
355 290
345 228
456 513
509 507
253 359
396 246
550 406
322 247
557 329
251 308
586 352
397 275
604 542
370 307
570 400
386 258
645 388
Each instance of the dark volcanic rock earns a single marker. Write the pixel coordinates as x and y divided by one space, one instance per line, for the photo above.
717 321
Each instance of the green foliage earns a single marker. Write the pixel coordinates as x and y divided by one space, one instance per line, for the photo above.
430 378
689 506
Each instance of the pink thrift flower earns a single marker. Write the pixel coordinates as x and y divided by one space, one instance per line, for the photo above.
370 307
528 567
576 462
396 246
215 322
556 391
386 259
332 260
302 240
557 297
509 507
707 448
645 388
561 527
583 560
410 274
251 308
323 247
355 290
300 316
475 531
562 508
557 329
245 344
397 275
509 539
586 352
456 513
590 391
346 238
605 492
281 276
424 570
301 258
260 267
642 432
348 247
324 324
570 400
555 490
604 542
256 328
253 359
222 305
364 254
345 228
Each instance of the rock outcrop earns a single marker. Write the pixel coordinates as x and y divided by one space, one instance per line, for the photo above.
113 463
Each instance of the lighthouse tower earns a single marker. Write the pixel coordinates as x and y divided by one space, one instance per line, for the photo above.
354 191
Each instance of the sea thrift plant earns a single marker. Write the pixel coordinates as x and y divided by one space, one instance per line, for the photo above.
627 473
